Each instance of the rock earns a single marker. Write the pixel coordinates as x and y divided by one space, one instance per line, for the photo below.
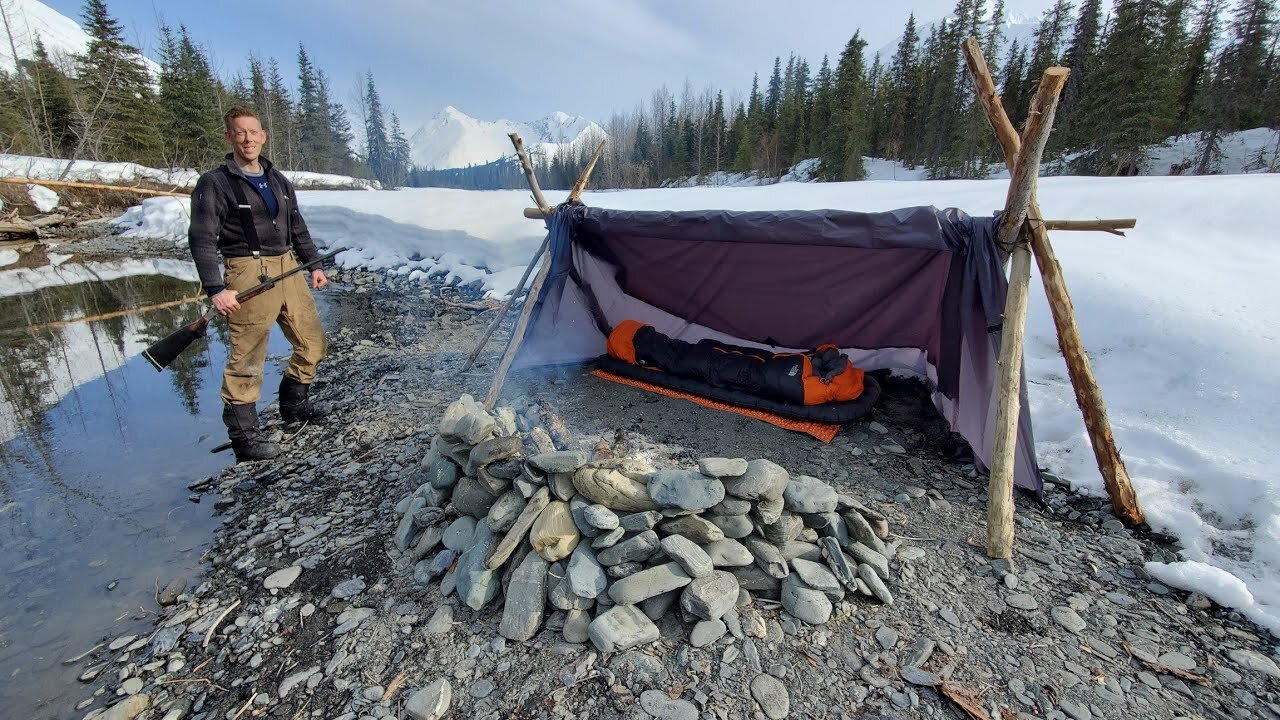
471 498
887 637
706 632
908 553
166 641
608 539
806 494
622 627
430 538
512 539
636 549
860 530
282 578
830 525
874 517
647 583
731 506
576 623
685 489
639 522
916 676
132 686
619 485
289 683
442 474
802 550
1022 601
585 575
1077 711
772 696
658 605
1255 661
459 533
442 621
867 574
818 577
661 706
348 589
493 450
691 557
561 461
722 467
554 535
525 599
728 553
1067 618
767 556
920 652
762 479
504 513
600 517
476 583
577 506
169 595
755 580
711 596
692 527
127 709
406 531
561 485
467 421
865 555
733 526
431 702
805 603
786 529
768 510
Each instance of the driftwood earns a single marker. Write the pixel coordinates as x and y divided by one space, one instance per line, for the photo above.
1115 227
1022 187
1114 474
581 185
528 173
92 186
506 306
20 226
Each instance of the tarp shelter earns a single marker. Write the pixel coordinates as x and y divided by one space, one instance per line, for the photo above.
918 289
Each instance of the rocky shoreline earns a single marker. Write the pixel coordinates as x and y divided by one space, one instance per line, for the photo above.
310 607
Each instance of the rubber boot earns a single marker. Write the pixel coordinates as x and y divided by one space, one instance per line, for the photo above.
247 440
296 404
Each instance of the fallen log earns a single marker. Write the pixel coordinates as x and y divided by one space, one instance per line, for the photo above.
92 186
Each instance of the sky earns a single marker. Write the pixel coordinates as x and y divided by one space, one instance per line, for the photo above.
523 60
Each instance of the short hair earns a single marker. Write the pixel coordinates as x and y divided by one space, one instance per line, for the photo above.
237 111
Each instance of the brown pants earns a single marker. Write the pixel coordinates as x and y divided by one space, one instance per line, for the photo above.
288 303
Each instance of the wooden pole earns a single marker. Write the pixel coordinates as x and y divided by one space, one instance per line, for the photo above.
581 185
1115 227
1012 235
91 186
506 306
1114 474
517 335
528 173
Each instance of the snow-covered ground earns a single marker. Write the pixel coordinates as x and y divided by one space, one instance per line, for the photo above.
1179 317
40 168
24 280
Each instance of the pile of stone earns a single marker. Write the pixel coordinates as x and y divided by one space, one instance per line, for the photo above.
602 548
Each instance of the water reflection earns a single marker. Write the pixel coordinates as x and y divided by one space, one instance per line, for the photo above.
96 451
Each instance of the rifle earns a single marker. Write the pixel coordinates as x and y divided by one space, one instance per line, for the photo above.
165 351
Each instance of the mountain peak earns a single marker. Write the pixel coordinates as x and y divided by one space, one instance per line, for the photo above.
453 139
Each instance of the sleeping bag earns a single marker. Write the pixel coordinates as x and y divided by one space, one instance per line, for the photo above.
778 382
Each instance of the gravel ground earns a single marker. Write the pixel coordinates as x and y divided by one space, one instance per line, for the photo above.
1071 627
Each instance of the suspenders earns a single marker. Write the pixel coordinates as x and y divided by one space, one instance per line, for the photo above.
246 219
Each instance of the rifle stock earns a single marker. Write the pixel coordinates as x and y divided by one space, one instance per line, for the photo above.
167 349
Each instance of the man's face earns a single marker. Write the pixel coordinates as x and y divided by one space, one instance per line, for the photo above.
246 137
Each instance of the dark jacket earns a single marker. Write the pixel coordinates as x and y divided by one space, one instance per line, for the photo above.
215 221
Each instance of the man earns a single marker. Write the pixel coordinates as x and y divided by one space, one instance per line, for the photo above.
247 211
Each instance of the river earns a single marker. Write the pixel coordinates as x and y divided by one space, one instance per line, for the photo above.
97 450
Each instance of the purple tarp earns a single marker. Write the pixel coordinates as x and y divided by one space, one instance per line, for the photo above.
918 290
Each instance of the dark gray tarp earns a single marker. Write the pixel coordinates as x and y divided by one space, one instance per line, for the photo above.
919 290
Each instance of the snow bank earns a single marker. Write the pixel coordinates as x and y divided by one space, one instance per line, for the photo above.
9 257
41 168
1179 318
25 280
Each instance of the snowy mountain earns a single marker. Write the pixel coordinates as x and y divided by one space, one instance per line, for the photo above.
1016 27
453 139
62 36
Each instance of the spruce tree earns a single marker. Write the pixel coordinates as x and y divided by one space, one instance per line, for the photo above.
378 153
1079 58
1244 67
753 127
773 96
823 106
189 100
902 97
1198 68
846 143
51 118
399 156
115 105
